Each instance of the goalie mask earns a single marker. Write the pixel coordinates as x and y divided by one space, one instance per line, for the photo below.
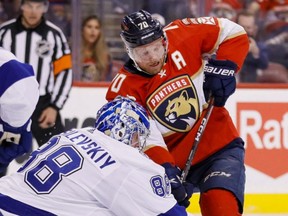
124 120
139 32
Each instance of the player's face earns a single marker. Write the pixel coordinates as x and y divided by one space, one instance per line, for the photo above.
135 140
150 57
32 13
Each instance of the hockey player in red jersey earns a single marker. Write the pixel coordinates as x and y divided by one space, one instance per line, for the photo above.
172 71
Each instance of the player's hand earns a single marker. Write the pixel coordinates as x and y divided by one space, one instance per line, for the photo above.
181 192
14 142
219 80
10 150
189 191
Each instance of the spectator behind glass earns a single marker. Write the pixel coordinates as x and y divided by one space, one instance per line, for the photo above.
225 9
11 8
95 53
257 57
275 33
173 9
160 18
59 15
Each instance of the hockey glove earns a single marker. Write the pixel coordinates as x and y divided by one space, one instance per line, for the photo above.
13 143
181 192
219 80
189 191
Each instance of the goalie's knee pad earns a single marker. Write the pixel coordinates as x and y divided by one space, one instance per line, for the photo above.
216 202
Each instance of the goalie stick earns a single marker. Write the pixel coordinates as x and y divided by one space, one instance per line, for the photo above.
197 140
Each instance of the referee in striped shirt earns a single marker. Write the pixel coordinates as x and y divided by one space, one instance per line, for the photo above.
38 42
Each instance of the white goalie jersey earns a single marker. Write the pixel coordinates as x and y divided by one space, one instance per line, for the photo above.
85 172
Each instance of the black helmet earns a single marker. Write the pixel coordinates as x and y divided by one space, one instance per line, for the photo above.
139 28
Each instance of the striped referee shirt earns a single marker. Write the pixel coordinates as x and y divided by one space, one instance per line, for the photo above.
46 49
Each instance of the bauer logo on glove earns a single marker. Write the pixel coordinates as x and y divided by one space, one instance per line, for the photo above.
220 71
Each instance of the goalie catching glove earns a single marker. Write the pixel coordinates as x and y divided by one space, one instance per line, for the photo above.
181 192
219 80
14 142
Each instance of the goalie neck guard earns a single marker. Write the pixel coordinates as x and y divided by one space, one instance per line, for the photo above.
124 120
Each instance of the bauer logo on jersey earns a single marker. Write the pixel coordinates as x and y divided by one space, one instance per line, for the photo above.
43 48
175 104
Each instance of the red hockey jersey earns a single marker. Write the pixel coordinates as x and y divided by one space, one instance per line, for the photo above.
175 98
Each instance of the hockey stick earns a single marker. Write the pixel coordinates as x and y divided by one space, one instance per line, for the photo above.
197 140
